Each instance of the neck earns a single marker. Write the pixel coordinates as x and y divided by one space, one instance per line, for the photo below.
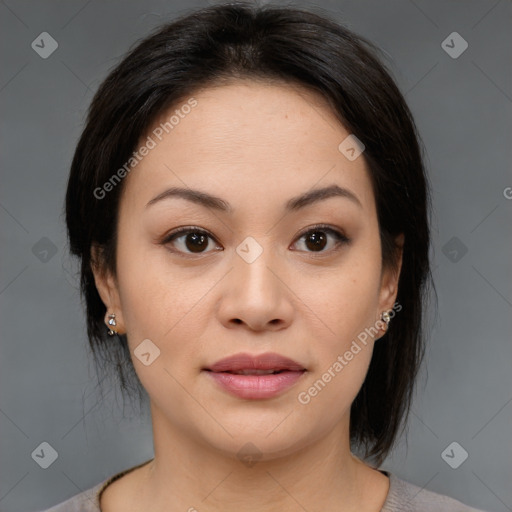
323 475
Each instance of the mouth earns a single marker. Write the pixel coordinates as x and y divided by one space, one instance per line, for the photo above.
255 377
248 371
263 364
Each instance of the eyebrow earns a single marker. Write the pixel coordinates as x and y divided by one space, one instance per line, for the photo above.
293 204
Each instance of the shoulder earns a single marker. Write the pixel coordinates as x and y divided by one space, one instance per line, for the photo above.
89 500
404 496
86 501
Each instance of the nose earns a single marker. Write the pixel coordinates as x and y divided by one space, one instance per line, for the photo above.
255 295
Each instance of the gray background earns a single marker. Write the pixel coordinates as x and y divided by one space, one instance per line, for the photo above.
463 108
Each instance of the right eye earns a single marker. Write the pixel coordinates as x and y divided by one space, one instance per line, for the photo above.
189 240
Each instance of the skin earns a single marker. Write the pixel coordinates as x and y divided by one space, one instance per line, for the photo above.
255 146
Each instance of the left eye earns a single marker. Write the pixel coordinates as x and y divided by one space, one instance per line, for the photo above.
317 238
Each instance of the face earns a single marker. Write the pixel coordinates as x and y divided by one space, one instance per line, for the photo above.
263 265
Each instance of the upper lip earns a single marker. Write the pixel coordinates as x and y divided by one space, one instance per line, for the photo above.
269 361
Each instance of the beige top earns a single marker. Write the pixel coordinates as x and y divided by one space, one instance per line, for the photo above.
402 497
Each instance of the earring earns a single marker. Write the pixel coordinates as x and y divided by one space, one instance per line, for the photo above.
112 323
386 317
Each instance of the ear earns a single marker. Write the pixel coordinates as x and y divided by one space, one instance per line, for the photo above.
389 280
106 285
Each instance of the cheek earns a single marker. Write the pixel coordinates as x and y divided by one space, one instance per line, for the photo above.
346 304
151 302
347 312
163 304
334 389
345 299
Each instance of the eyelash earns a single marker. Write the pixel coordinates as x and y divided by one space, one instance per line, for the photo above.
341 239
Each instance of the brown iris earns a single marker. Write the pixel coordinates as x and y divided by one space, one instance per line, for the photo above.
196 242
316 241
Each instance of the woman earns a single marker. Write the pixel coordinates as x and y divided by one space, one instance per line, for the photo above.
250 208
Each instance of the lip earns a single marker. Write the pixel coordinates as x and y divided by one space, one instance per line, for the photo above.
243 361
255 387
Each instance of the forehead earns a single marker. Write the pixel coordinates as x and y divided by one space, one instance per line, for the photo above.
277 137
244 114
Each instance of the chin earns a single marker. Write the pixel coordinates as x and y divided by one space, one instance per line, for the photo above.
257 447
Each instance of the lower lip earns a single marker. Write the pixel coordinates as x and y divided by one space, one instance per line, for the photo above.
255 387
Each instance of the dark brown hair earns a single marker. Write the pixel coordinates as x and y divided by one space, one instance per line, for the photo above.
296 47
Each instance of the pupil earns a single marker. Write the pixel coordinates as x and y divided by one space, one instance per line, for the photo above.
195 242
318 241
